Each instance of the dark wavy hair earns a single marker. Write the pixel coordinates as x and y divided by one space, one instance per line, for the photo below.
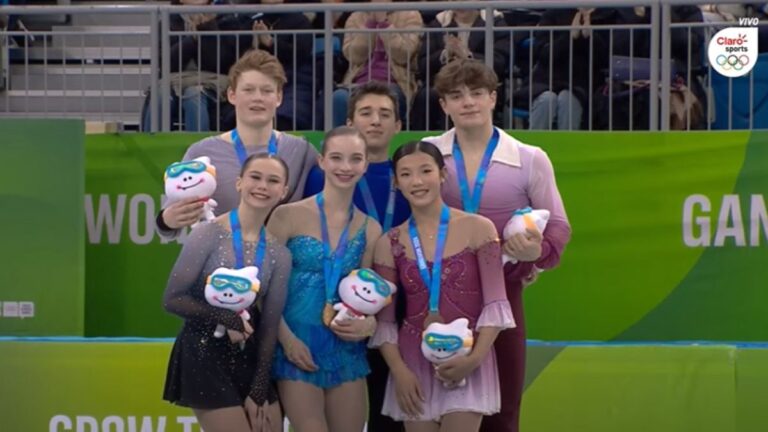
418 146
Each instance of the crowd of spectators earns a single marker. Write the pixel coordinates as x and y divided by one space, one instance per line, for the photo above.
567 75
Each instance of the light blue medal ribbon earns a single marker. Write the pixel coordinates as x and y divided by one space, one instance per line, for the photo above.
237 242
237 245
242 155
471 203
370 205
432 282
332 261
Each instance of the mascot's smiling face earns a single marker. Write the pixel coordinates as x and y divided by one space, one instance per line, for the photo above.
232 289
365 291
190 179
441 342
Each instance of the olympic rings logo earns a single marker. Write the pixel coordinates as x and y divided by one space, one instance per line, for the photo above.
732 61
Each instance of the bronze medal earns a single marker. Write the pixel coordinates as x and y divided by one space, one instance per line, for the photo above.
328 314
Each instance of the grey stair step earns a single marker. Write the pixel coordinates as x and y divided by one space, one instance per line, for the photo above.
79 83
82 69
36 101
85 77
100 35
71 53
114 18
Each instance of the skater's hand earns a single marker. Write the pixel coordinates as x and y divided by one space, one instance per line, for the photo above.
274 418
241 336
524 247
297 353
408 392
183 213
354 330
256 415
455 369
261 417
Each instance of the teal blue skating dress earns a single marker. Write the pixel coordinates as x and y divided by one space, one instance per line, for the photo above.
338 361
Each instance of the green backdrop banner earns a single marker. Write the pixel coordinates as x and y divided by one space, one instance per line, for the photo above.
669 236
41 213
113 386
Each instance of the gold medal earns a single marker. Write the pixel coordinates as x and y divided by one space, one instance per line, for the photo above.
328 314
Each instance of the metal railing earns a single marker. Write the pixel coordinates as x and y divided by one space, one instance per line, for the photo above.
104 70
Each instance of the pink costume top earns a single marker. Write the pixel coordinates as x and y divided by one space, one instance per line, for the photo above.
472 286
519 176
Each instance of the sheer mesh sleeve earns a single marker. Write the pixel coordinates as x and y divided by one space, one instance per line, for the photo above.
271 311
545 195
164 230
188 273
496 309
386 330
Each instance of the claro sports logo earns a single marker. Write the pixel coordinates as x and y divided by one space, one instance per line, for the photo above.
732 51
734 61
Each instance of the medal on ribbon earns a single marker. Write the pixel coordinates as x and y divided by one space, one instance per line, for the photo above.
431 280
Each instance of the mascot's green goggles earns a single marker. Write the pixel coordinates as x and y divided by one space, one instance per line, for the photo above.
443 342
177 168
381 286
237 284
